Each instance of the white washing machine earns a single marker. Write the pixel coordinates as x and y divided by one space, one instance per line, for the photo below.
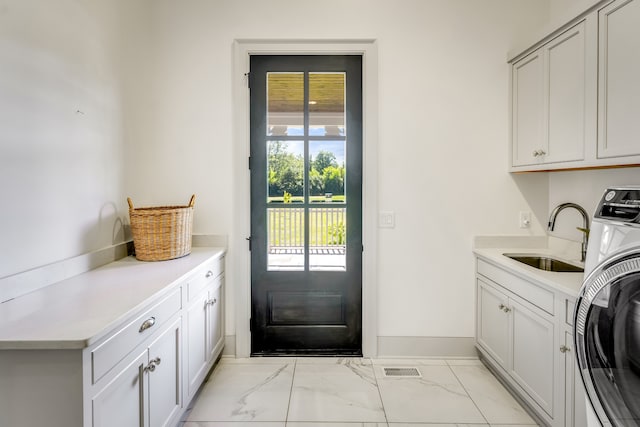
607 317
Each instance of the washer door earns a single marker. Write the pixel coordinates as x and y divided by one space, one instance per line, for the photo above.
607 335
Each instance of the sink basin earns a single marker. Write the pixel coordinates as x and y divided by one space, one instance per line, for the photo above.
546 263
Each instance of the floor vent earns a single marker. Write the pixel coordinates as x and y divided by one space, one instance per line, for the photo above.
407 372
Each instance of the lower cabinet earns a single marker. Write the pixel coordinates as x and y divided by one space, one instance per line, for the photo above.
574 398
533 353
522 332
493 324
205 337
520 339
146 391
142 372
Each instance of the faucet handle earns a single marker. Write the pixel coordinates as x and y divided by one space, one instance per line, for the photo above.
584 230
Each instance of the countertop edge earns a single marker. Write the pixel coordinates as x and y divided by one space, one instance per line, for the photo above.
568 284
93 335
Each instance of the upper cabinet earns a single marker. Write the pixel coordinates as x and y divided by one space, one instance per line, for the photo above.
619 80
574 96
548 93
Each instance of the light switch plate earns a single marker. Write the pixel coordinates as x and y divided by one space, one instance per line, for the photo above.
387 219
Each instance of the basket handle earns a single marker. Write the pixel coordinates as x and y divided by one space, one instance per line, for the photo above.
130 202
192 201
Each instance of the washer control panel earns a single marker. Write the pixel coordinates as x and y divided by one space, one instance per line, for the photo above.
620 204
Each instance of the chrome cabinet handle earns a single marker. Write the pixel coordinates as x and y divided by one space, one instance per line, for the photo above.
535 153
501 307
542 152
147 324
209 274
210 302
152 364
506 309
564 349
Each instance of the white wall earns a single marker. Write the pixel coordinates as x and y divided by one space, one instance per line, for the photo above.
104 99
61 129
562 9
584 188
443 132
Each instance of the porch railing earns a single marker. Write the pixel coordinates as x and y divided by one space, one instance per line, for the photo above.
327 228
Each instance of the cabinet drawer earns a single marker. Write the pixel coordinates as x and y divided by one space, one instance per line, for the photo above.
110 352
205 276
537 296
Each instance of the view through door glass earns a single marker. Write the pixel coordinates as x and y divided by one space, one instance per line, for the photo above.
306 205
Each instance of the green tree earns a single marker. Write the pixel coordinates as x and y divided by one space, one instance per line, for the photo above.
323 160
333 178
316 182
285 170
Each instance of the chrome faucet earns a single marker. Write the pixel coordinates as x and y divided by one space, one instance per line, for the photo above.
584 228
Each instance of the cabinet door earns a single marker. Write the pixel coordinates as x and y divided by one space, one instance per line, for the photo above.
121 402
196 338
493 322
533 354
565 105
527 110
619 79
215 322
164 379
575 404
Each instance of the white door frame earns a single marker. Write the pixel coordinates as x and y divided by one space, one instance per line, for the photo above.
239 255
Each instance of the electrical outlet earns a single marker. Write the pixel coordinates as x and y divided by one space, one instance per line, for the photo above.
525 219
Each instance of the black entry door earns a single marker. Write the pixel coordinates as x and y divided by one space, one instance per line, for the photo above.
306 205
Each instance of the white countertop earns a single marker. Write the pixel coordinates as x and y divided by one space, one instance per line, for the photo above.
77 312
567 283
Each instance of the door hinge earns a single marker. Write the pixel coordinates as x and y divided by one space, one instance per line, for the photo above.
250 324
249 162
248 76
248 239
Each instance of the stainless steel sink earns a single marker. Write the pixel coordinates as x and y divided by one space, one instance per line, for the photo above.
545 263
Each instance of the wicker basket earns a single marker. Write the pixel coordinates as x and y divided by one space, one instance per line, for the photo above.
161 233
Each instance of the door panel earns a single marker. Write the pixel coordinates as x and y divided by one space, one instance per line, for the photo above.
493 322
306 204
164 381
122 401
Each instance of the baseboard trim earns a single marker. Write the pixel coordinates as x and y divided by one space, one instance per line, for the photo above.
404 347
229 346
432 347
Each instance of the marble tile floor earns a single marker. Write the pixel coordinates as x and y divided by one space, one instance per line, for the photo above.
352 392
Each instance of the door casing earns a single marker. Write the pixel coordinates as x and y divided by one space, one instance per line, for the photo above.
239 256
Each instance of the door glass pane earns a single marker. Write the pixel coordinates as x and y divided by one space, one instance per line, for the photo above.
285 171
285 234
285 104
326 104
327 171
327 239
